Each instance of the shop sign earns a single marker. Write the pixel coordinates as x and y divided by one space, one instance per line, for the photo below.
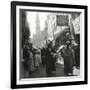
62 20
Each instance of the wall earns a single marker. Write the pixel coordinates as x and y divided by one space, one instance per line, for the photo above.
5 44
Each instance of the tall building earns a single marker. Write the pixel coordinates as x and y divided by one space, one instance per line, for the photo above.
37 35
44 35
37 24
24 27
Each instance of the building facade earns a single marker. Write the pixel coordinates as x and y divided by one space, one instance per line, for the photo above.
58 22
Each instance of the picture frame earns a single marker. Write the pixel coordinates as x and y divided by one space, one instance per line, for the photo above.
16 9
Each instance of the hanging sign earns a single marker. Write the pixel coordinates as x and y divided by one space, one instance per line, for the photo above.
62 20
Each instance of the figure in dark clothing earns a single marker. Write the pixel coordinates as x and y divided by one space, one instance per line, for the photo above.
43 55
77 57
50 61
25 57
68 61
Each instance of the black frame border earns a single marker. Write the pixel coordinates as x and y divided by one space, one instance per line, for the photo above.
13 44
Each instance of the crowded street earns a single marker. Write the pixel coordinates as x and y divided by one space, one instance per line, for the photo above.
51 45
41 72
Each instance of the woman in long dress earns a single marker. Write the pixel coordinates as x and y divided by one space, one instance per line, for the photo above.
37 59
50 61
31 66
68 60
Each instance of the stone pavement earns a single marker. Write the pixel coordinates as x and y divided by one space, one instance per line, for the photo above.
41 72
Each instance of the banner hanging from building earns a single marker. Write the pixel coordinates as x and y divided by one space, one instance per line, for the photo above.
76 25
62 20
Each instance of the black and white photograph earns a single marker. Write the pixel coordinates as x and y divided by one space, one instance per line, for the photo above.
49 44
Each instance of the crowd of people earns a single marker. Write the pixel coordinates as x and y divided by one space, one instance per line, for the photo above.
32 57
47 56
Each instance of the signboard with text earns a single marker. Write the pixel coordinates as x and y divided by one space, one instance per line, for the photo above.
62 20
76 25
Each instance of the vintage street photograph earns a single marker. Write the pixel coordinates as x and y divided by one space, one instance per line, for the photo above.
49 44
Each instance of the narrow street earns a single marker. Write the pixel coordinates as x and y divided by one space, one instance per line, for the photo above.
59 35
41 72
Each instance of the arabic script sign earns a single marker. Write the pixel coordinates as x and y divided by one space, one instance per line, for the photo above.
62 20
